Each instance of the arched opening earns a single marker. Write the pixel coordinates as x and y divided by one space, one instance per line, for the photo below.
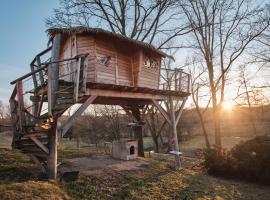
131 150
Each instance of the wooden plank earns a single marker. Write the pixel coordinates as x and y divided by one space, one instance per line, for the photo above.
116 68
119 94
52 158
53 72
77 81
37 162
40 72
75 115
21 113
34 76
162 111
39 144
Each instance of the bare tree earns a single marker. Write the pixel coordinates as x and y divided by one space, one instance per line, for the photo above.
246 94
115 122
198 84
152 21
157 128
222 31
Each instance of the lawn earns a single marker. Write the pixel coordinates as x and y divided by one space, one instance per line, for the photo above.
19 179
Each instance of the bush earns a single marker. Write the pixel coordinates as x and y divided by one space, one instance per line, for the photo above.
246 161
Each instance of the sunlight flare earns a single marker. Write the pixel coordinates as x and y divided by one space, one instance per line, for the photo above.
227 106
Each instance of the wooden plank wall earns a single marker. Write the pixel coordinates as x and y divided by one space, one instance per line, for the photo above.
86 44
105 74
64 54
125 67
149 77
136 67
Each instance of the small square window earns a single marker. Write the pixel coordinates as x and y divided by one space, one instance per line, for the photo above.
105 60
150 63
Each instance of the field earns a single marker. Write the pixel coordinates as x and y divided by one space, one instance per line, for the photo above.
19 179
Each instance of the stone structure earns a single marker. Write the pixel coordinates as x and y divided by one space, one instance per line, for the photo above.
125 149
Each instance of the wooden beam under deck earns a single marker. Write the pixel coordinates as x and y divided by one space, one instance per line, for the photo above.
124 94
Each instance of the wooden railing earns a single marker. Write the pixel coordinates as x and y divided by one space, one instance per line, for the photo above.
26 104
174 80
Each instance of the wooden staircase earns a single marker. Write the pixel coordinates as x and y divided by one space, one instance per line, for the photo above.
34 118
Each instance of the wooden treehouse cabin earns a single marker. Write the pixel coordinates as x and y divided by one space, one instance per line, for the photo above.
91 66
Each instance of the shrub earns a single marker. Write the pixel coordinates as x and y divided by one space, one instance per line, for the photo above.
248 160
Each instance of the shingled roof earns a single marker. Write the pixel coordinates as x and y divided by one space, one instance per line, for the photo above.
52 31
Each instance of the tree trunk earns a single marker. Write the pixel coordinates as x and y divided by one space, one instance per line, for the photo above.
138 130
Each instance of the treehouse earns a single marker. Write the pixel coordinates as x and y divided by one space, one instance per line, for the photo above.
91 66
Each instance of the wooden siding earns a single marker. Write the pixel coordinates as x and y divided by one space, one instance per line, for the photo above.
149 77
86 44
126 65
65 68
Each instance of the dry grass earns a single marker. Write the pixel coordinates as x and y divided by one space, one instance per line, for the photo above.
19 179
159 181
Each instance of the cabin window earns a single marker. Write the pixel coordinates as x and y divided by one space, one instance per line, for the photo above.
105 60
150 63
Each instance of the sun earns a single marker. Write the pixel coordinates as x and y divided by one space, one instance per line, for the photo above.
227 105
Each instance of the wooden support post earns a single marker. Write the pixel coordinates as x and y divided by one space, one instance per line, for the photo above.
34 76
21 113
52 158
75 115
189 82
41 78
13 113
137 114
175 138
162 111
53 72
77 80
180 81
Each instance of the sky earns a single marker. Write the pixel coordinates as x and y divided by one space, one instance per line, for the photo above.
22 31
22 36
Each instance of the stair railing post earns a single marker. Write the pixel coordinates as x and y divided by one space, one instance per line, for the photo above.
53 77
21 114
13 114
53 73
77 80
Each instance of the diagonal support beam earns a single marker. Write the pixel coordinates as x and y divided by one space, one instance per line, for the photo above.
162 111
37 162
63 130
39 144
180 111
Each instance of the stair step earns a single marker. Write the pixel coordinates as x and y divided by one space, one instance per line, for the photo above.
65 83
37 134
28 141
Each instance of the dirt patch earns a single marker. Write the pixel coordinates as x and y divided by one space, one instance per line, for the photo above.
86 164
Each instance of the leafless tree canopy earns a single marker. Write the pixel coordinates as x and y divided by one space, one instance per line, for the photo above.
222 31
154 21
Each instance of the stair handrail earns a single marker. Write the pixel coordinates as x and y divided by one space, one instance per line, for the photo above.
46 65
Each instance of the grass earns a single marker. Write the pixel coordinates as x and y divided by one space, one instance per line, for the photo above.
161 182
19 179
